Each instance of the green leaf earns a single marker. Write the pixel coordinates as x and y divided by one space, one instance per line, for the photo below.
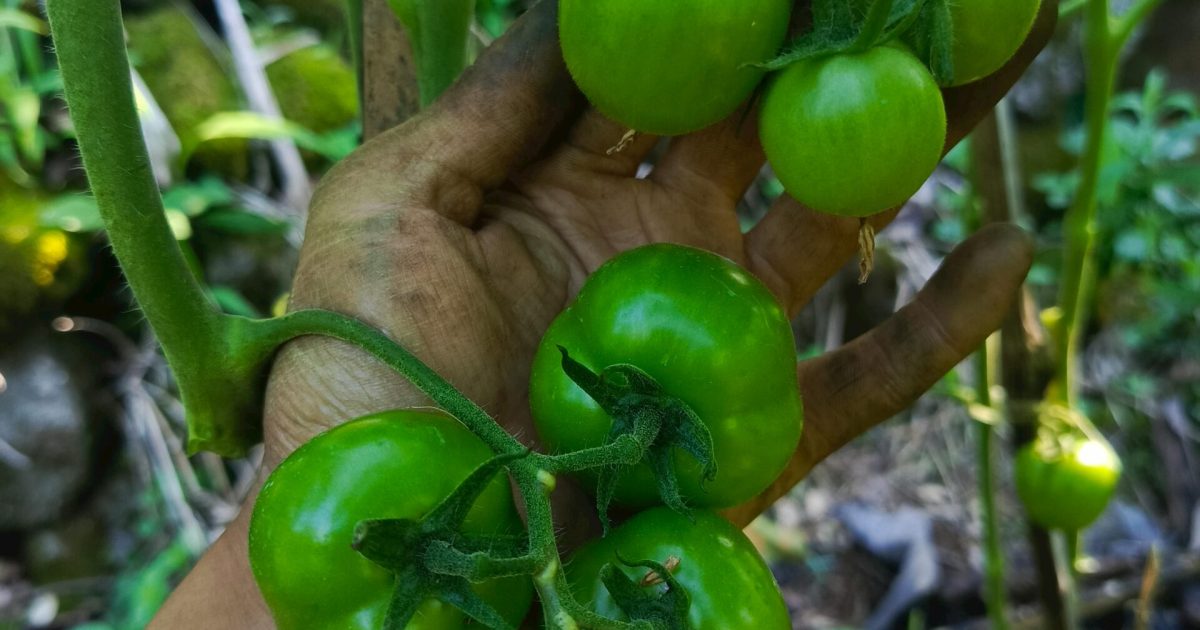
195 198
232 302
15 18
72 213
1132 246
234 221
249 125
24 110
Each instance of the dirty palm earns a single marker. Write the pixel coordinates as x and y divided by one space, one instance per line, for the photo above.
440 253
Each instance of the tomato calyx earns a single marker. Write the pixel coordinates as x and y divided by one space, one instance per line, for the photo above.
839 27
432 558
663 609
648 424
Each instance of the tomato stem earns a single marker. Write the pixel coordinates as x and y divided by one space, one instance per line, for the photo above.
218 368
1103 43
873 27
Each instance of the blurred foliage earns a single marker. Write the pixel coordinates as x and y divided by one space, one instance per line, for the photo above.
495 15
1148 296
189 81
223 209
316 88
26 81
1149 234
42 264
141 591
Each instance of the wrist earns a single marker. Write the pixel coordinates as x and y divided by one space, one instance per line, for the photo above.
318 383
220 591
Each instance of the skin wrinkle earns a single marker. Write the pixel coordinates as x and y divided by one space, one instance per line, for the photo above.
361 269
847 384
590 139
729 154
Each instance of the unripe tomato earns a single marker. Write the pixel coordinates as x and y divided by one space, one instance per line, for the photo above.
1067 489
987 33
854 134
395 464
729 584
711 335
669 67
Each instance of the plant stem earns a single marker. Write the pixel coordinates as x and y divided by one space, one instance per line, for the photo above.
218 379
529 473
877 20
1103 43
993 554
100 93
992 162
376 343
1065 550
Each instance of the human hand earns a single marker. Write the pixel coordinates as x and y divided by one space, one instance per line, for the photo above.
463 232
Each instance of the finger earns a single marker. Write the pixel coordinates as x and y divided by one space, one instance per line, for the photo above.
796 250
598 144
724 159
497 117
876 376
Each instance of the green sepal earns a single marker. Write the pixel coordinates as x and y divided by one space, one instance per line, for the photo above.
933 39
410 591
656 423
457 592
452 511
431 558
837 29
665 610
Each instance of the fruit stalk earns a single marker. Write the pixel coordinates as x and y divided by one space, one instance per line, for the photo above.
1104 40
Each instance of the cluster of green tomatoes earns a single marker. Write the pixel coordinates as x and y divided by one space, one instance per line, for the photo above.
673 356
663 335
854 130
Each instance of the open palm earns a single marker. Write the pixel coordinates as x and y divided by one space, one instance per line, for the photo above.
463 232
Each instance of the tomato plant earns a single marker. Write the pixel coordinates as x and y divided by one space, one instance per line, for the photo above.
987 33
727 581
856 133
397 464
1067 484
669 68
711 334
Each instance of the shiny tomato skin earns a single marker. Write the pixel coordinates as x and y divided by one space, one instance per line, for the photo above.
711 334
854 134
729 584
669 67
987 33
396 464
1068 491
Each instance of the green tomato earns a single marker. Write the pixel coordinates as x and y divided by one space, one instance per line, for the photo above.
711 334
854 134
729 584
987 33
669 67
1069 488
396 464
